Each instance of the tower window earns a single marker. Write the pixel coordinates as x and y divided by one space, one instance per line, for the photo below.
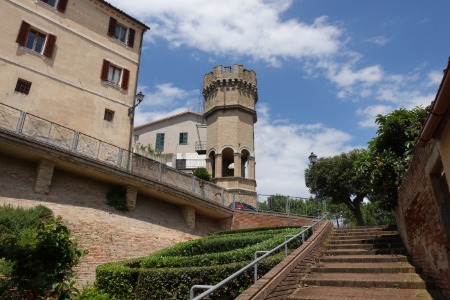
183 140
109 115
23 86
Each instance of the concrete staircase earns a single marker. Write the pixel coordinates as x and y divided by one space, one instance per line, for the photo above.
365 263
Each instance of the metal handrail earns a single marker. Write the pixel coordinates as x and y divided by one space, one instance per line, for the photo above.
212 288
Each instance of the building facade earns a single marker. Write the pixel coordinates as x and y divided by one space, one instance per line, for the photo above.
230 98
176 141
72 62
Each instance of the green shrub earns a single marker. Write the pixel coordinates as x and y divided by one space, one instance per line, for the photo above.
171 272
92 293
117 198
202 173
38 252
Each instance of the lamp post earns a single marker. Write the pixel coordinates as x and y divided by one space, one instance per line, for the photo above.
137 100
312 161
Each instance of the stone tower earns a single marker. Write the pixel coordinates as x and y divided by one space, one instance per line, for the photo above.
230 98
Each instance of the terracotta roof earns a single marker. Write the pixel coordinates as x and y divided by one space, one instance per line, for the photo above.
124 13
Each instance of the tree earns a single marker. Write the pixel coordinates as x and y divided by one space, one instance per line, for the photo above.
390 154
202 173
336 178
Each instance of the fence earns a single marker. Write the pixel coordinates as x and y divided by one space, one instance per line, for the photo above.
290 205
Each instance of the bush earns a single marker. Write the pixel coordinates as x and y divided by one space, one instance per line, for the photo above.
170 273
202 173
37 252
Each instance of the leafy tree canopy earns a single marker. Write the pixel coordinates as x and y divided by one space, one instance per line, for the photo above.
336 178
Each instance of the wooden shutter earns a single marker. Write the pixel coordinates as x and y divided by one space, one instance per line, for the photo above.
23 33
62 5
112 26
125 79
131 33
105 70
50 45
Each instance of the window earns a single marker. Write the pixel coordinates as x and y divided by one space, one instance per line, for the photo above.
60 5
109 115
36 40
180 164
121 32
23 86
114 74
159 145
183 138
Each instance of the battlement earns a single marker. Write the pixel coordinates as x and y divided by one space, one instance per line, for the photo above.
237 73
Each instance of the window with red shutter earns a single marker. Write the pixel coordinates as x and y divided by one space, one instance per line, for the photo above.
62 5
121 32
36 40
125 79
105 70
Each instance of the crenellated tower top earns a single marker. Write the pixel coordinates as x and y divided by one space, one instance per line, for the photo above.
228 81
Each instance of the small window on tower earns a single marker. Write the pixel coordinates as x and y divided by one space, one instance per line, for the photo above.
23 86
109 115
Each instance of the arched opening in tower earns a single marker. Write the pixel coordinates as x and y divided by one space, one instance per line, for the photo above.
244 163
227 162
212 159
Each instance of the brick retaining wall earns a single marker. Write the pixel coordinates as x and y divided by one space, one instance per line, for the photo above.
248 219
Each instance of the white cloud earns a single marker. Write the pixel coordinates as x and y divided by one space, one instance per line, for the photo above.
282 150
378 40
251 28
434 79
369 114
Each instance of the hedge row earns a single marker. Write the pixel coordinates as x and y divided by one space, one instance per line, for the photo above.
170 273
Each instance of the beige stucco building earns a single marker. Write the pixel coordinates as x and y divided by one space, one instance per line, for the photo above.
72 62
178 140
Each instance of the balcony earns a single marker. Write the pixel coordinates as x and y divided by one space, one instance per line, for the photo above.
200 147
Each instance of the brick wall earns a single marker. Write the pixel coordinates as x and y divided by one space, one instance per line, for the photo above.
108 234
420 222
247 219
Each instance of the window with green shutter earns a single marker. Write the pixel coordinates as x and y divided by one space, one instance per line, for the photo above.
159 145
183 138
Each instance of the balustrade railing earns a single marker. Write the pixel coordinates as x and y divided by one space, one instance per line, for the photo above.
47 132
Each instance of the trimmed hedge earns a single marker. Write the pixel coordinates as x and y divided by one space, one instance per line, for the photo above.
171 272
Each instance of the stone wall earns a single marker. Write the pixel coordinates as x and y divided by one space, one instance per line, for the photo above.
421 221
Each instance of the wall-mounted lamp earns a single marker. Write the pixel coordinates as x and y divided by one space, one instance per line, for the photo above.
138 100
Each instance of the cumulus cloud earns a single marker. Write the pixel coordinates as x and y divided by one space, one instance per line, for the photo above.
282 150
252 28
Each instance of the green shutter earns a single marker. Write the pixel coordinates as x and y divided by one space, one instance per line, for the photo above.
183 138
159 145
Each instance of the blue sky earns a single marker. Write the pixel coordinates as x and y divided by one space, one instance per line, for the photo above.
325 68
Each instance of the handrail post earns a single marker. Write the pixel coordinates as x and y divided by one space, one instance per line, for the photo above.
286 246
256 265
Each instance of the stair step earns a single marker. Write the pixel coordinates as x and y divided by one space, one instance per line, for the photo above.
396 245
345 293
365 251
365 258
364 267
364 236
393 239
369 280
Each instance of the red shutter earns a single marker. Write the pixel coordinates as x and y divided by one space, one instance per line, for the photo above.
105 70
125 79
112 26
62 5
131 33
50 45
23 33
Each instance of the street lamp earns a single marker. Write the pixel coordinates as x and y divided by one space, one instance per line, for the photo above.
138 100
312 158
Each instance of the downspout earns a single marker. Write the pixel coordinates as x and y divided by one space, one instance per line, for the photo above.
134 99
438 110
